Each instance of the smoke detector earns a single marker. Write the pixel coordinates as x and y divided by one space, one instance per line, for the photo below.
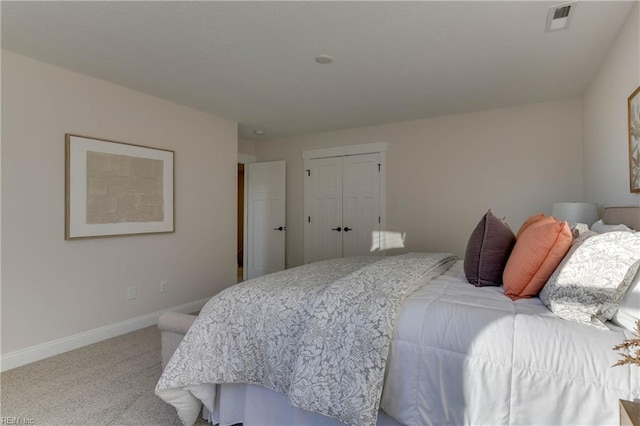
559 16
324 59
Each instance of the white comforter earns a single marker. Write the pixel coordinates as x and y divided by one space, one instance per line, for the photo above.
467 355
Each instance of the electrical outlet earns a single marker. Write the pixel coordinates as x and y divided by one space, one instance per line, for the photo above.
132 293
164 286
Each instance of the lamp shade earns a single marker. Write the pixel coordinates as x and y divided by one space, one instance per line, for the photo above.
576 212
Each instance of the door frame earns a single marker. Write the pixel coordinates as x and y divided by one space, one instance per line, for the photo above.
343 151
245 159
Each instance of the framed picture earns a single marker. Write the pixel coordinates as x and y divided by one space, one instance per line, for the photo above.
116 188
634 140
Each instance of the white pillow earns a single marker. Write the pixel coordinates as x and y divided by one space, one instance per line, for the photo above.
591 281
629 311
601 228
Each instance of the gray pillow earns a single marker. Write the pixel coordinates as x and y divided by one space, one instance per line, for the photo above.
487 251
589 284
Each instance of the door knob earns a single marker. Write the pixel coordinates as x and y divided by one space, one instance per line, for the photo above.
336 229
347 229
279 228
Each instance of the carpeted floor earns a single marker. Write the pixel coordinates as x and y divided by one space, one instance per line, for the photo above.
107 383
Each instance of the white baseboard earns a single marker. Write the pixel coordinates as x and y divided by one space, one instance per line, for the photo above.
55 347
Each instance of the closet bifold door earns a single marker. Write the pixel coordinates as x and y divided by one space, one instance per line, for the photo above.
323 209
342 206
360 203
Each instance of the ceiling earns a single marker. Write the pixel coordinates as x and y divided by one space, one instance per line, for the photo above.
253 62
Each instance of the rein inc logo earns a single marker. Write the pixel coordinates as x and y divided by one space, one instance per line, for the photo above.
17 421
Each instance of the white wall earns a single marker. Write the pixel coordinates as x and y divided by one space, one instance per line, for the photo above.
606 137
52 288
444 173
246 146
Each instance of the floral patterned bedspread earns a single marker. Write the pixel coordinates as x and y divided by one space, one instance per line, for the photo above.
319 333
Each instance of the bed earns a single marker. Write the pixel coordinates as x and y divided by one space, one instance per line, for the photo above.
444 352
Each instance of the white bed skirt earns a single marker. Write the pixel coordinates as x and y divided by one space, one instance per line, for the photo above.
254 405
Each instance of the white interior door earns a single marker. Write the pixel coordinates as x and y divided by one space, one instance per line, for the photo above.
323 198
361 203
266 183
342 206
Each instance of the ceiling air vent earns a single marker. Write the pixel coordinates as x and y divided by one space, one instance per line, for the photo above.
559 17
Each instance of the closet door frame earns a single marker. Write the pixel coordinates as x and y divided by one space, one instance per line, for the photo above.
341 151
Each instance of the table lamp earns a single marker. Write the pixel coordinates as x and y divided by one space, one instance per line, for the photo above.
575 213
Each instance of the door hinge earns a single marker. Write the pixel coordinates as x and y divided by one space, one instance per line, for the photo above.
308 219
308 172
378 166
378 219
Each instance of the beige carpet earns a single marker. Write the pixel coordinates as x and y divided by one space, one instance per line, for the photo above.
107 383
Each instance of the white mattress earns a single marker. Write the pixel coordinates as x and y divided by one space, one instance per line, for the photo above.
467 355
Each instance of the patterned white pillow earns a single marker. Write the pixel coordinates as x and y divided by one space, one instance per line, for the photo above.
590 282
629 311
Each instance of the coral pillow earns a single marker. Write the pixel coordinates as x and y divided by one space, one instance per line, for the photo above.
488 250
537 253
527 223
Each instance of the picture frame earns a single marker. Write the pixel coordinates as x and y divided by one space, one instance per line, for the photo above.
117 188
633 104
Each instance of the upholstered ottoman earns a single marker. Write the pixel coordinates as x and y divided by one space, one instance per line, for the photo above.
173 326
